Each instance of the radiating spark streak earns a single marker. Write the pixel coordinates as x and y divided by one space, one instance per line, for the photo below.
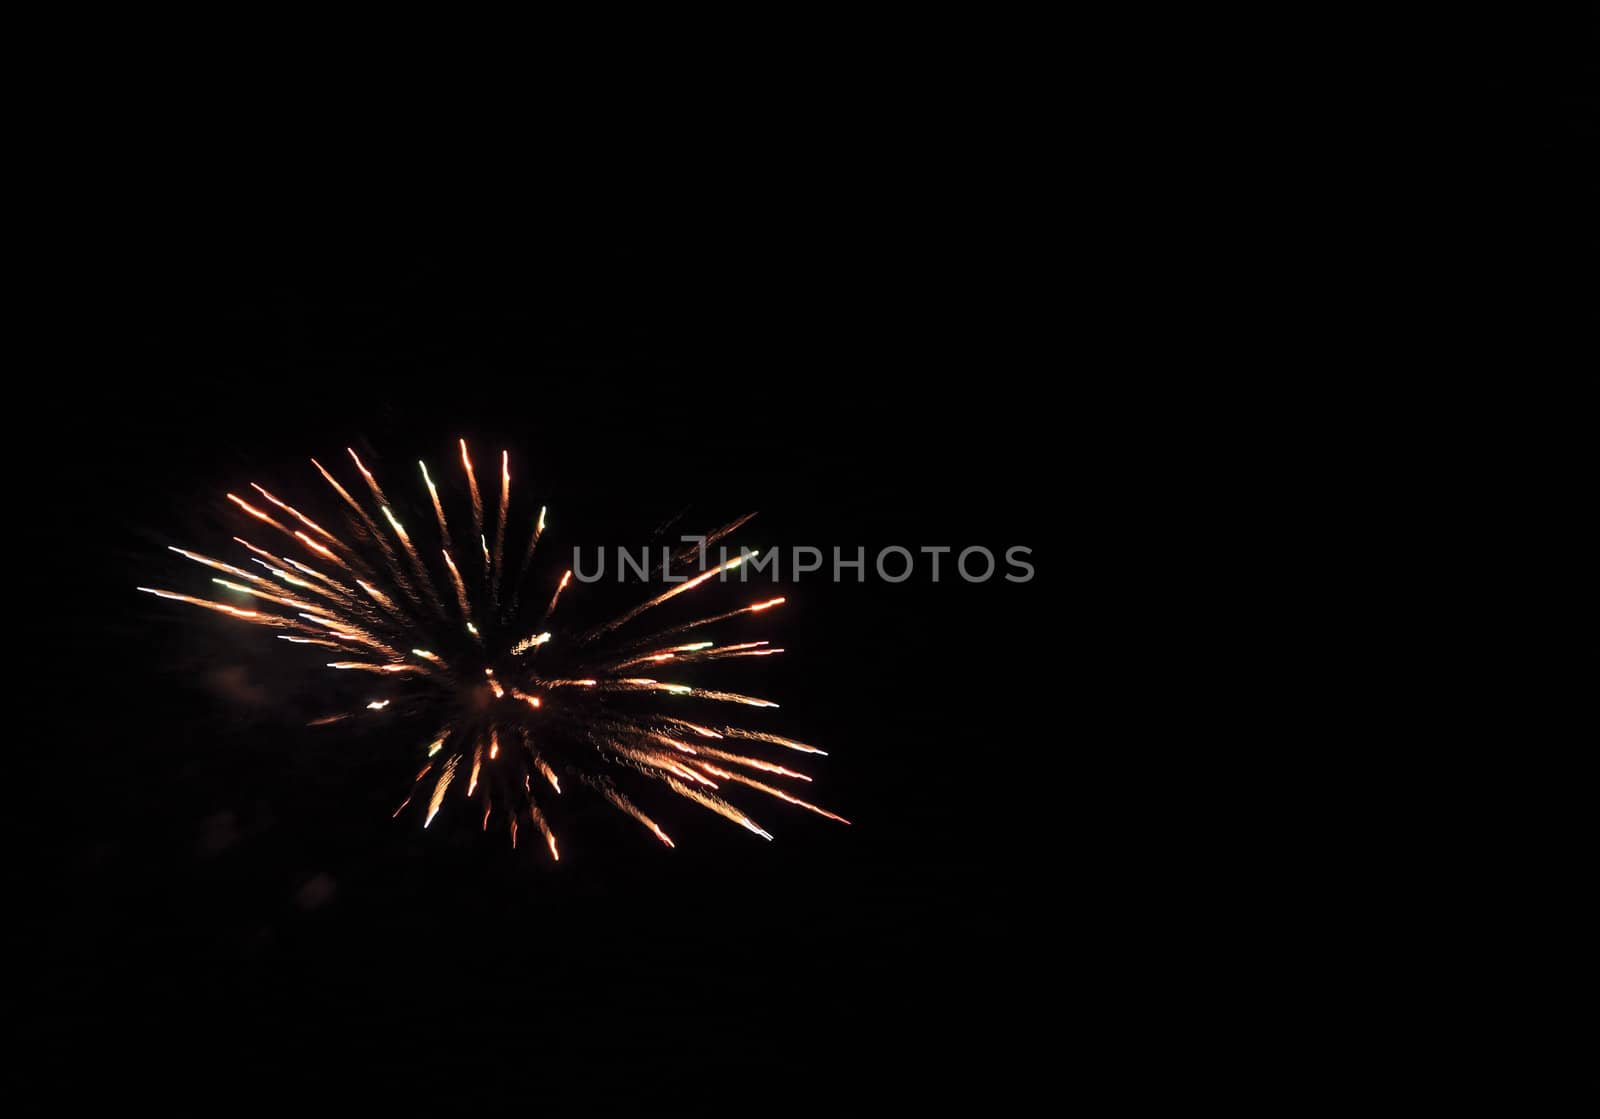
448 772
401 809
332 591
371 527
768 789
351 633
698 547
220 607
720 807
748 763
293 581
436 746
548 773
421 773
372 483
321 549
310 641
218 565
530 700
477 764
417 568
362 666
327 720
341 491
494 743
494 685
703 732
334 586
297 515
754 608
661 761
681 747
513 833
527 559
627 806
551 609
377 705
461 589
671 593
444 528
472 486
427 656
259 515
500 530
294 603
668 653
549 836
399 530
757 736
701 693
377 596
531 642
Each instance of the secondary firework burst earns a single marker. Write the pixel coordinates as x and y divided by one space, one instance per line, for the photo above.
512 705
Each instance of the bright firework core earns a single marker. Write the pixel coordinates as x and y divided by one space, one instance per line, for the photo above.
508 696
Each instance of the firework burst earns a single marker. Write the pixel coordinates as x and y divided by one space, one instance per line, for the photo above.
516 707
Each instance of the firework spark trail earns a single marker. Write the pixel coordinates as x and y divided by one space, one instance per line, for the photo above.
700 693
293 533
527 558
297 515
438 789
292 603
477 764
627 806
669 595
311 641
328 588
757 736
221 608
374 533
699 548
720 807
584 706
740 778
365 666
472 485
218 565
381 599
416 561
753 608
500 530
555 598
705 751
461 588
655 764
549 836
372 483
444 527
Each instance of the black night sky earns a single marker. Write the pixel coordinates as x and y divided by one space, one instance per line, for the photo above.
223 886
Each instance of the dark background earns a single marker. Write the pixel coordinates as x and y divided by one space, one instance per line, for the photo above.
221 886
